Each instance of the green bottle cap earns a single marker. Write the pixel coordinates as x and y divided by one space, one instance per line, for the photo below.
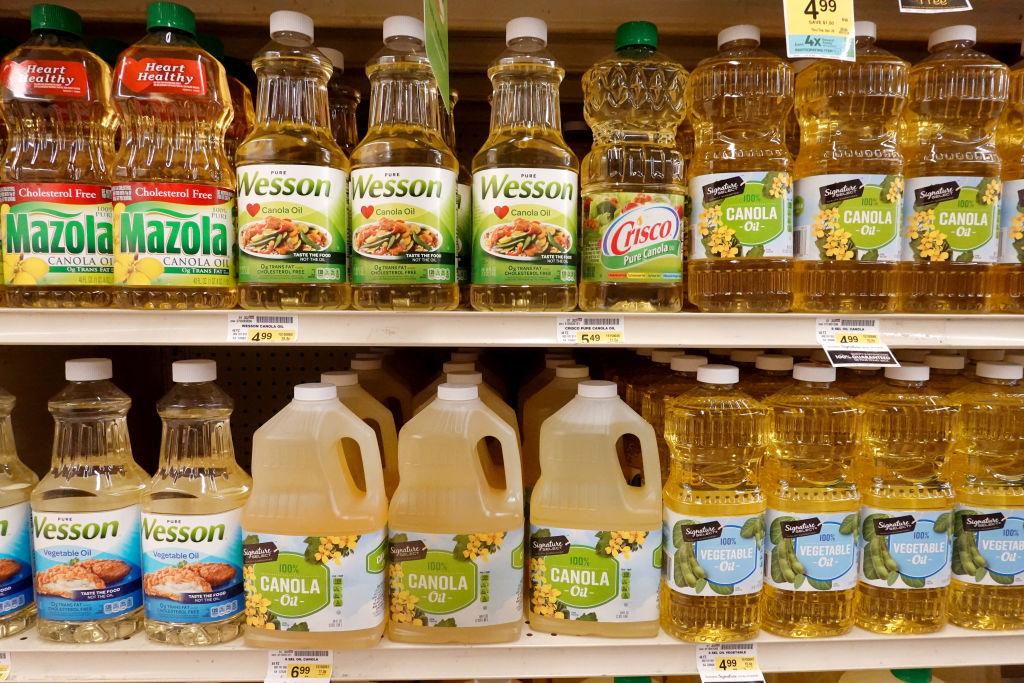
632 679
913 675
56 18
212 44
636 34
170 15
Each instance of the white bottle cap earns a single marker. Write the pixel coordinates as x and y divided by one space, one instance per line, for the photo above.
187 371
336 58
285 21
911 355
593 388
551 363
819 356
814 372
365 364
960 32
572 371
718 374
315 392
465 356
645 353
937 362
978 355
739 32
88 369
745 355
526 27
665 356
909 372
457 366
340 378
458 392
865 28
473 378
688 363
999 370
774 361
402 25
1014 357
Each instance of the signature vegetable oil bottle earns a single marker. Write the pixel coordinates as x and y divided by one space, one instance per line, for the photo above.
740 187
714 510
403 186
952 169
463 205
56 169
849 182
906 504
343 100
174 186
525 184
1008 275
632 184
654 398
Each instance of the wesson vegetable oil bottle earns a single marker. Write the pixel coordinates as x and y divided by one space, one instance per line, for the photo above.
85 514
343 100
542 405
634 194
906 504
595 541
403 184
173 184
463 206
813 505
314 543
714 510
740 188
55 210
192 516
525 184
849 182
987 590
1008 275
952 169
455 523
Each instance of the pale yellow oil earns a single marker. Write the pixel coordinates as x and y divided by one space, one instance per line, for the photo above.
1008 278
381 421
855 381
947 381
761 384
386 387
653 400
344 101
243 117
16 484
538 408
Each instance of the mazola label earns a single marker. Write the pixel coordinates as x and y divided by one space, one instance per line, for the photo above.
162 75
632 237
712 556
905 548
45 78
951 219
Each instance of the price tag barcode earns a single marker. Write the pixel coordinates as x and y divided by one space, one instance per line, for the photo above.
820 29
590 330
299 665
262 328
851 342
728 663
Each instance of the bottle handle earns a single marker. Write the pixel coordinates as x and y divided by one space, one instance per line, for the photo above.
389 441
511 458
649 457
370 455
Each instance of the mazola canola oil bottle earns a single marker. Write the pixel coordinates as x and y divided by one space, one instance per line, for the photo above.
1008 275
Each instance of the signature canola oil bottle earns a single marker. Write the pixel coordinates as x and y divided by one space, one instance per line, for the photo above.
1008 275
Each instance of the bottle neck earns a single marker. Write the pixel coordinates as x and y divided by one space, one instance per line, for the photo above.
997 382
904 383
8 451
292 91
403 100
520 102
192 445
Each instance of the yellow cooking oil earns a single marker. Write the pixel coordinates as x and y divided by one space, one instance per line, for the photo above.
906 504
813 505
952 170
173 184
946 373
1008 274
540 380
650 374
848 181
654 397
741 190
242 113
55 208
488 396
987 590
542 405
714 510
385 386
463 205
343 101
772 372
854 381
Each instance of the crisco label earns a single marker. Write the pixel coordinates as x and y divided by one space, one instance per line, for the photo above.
455 579
741 215
161 76
403 225
173 235
586 575
57 234
712 556
87 564
988 546
292 223
314 583
192 566
951 219
524 226
848 218
1011 216
811 552
632 237
905 548
45 78
463 231
15 558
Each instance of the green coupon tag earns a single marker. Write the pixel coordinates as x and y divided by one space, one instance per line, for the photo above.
435 20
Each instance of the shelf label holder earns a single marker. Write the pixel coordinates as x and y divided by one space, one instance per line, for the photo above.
853 342
590 330
728 663
308 666
263 328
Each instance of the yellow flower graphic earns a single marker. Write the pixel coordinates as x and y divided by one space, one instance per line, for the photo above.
543 596
256 606
482 545
624 542
993 189
921 222
933 246
1017 227
780 186
403 603
895 192
333 548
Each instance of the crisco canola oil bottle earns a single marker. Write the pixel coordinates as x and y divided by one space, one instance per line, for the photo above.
1008 275
173 184
55 209
18 611
343 100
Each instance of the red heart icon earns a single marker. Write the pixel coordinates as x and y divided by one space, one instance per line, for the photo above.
252 209
367 211
501 211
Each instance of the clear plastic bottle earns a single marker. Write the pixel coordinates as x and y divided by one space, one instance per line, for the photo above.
741 246
952 170
849 181
343 100
634 192
1008 275
488 396
772 372
579 586
813 506
85 514
855 381
714 510
463 205
906 504
745 359
652 373
654 397
56 168
403 185
384 386
429 392
541 379
192 516
946 373
174 105
542 405
975 356
243 115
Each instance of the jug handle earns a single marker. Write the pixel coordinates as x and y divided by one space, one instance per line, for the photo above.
389 440
650 459
370 456
511 458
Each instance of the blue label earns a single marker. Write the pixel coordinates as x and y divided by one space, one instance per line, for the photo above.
811 552
905 548
15 558
988 546
714 555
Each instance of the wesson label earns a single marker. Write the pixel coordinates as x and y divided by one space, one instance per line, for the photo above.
463 232
456 579
905 548
162 76
45 78
951 219
632 237
87 564
314 583
403 225
524 226
57 234
848 218
712 556
192 566
1011 223
586 575
741 215
16 552
988 546
811 552
292 223
173 235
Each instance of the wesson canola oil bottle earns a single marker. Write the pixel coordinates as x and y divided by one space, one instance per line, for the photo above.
18 611
56 216
343 100
1008 275
292 194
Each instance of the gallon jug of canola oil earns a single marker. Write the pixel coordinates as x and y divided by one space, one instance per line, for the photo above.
772 372
540 407
384 386
342 100
653 399
429 392
1008 275
946 373
487 395
541 379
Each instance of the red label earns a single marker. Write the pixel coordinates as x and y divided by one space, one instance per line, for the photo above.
46 78
162 76
58 193
176 193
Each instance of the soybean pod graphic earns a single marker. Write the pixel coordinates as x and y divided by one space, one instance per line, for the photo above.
967 560
687 571
784 565
879 565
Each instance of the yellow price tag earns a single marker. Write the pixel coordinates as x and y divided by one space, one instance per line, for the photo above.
299 671
858 338
736 663
271 336
820 28
606 337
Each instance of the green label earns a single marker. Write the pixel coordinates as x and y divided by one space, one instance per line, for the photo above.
848 218
952 219
632 237
292 223
441 583
463 231
741 215
295 588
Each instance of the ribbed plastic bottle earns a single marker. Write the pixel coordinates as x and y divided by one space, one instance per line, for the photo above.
542 405
463 204
1008 275
772 372
343 100
946 373
384 386
653 399
855 381
243 115
650 374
